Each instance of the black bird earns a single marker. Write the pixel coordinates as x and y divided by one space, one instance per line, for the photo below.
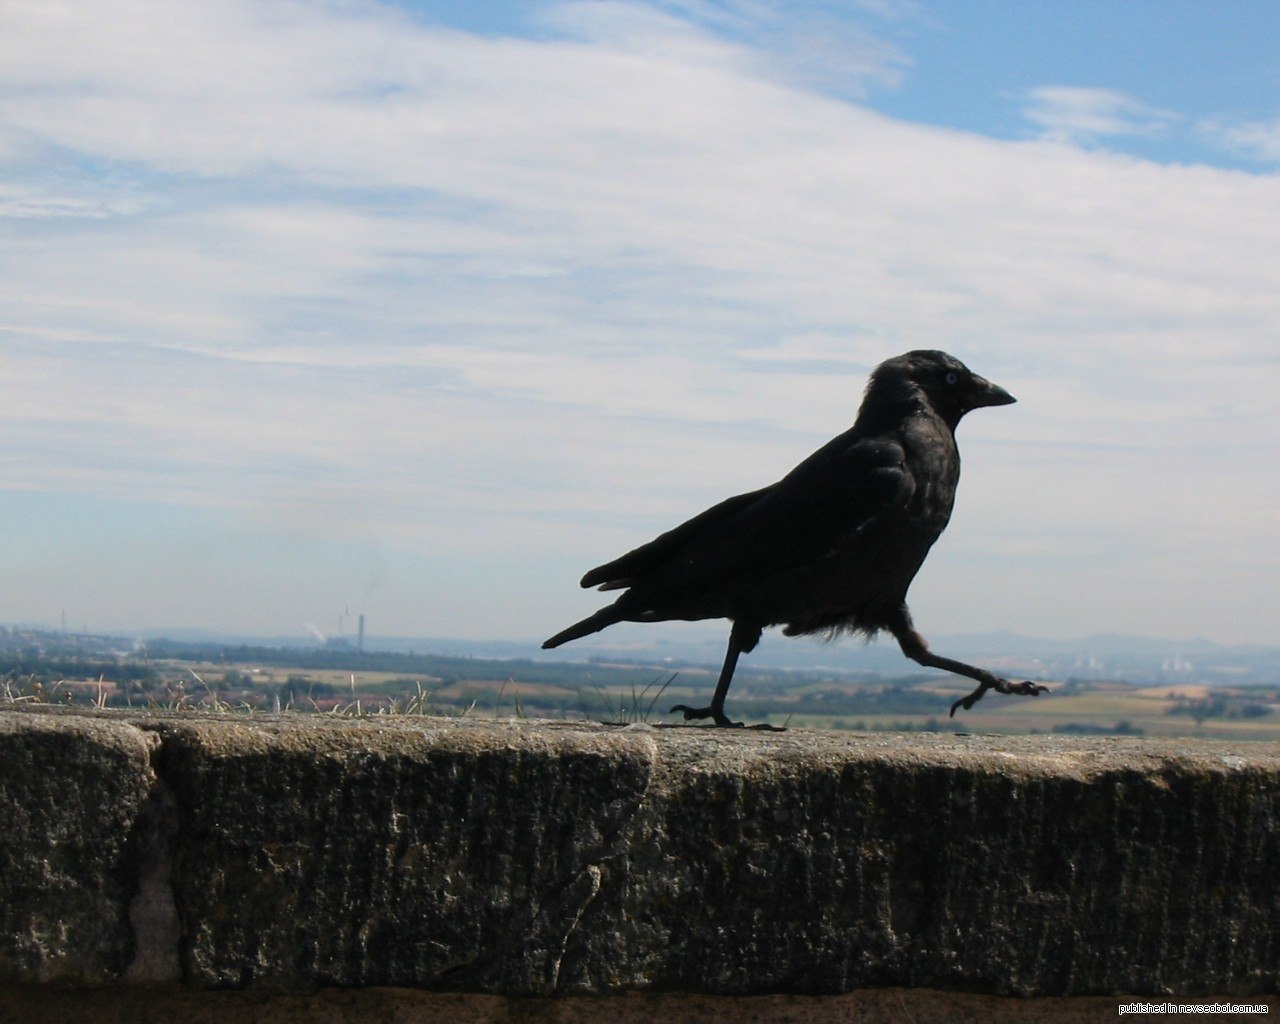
831 547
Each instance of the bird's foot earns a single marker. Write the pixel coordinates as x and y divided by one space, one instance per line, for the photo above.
1025 689
720 720
716 714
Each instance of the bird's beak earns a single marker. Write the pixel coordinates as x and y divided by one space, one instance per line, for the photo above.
986 393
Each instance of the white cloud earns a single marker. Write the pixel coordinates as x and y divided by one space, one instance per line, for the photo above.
330 265
1076 114
1257 140
806 43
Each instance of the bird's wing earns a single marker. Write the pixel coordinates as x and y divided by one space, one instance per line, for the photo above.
621 571
821 504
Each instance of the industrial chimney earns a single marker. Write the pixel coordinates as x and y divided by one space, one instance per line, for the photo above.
360 634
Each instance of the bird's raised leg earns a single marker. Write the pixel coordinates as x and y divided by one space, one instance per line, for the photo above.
741 639
914 647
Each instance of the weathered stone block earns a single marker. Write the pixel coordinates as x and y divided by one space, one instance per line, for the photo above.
440 854
71 791
821 863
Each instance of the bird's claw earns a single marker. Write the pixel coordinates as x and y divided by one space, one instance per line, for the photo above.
718 716
1026 688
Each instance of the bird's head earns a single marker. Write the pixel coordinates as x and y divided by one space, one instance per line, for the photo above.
949 387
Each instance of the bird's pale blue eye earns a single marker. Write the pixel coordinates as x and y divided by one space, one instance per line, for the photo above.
951 378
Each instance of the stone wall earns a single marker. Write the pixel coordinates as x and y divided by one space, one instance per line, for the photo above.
521 859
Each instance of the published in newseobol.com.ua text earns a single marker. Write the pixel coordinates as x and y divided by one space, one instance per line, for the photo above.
1206 1009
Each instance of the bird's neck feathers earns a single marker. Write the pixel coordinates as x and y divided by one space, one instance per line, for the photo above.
892 397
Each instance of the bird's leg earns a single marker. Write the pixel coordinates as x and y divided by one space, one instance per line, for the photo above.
914 647
715 710
740 639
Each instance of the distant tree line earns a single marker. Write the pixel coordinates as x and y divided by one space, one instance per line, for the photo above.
447 668
48 669
1121 728
881 700
1218 707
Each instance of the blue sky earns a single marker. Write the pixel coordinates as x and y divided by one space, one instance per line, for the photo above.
422 309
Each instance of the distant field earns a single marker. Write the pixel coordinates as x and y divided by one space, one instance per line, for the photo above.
249 680
1100 708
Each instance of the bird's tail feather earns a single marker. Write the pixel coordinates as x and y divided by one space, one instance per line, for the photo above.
591 624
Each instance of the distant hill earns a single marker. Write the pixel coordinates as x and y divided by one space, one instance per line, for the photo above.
1134 659
1148 660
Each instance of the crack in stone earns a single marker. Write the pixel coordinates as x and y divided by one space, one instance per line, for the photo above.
153 912
575 898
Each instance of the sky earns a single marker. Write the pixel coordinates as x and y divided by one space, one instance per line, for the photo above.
422 309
